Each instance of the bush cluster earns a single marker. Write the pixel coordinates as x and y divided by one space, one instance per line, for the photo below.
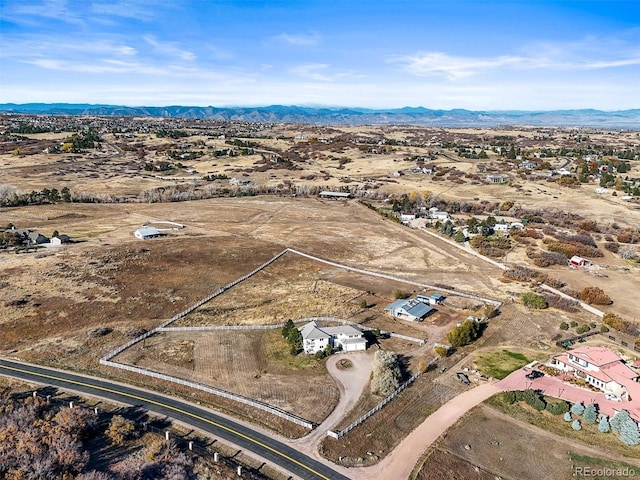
595 296
571 249
533 300
617 323
557 408
524 274
386 375
532 398
464 334
561 303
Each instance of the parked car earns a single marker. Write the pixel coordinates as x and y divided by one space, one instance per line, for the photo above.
463 378
533 374
612 397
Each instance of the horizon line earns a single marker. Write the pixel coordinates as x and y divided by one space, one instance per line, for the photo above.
320 107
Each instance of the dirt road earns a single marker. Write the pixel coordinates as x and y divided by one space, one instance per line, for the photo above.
401 461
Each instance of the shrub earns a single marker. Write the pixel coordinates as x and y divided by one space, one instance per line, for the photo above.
573 323
564 326
603 425
604 329
120 430
588 225
441 351
561 303
612 247
577 408
534 399
576 425
464 334
363 303
567 417
595 296
582 329
614 321
590 414
509 397
533 300
386 374
399 294
557 408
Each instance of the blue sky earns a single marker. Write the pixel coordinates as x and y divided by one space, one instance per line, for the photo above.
479 55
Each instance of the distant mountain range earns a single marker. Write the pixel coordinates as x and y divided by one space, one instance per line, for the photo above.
626 119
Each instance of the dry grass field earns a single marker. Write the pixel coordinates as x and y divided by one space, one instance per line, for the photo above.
53 300
255 364
510 449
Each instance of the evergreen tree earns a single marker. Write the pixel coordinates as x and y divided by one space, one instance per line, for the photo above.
288 326
590 415
604 426
577 408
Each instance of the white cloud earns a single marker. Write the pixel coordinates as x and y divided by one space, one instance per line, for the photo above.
170 49
589 53
318 71
302 40
29 12
452 67
143 10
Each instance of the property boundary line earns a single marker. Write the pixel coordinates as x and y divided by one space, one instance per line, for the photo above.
378 407
275 326
164 327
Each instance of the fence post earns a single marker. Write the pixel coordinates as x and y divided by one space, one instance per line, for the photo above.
239 470
190 444
95 410
70 404
216 456
166 435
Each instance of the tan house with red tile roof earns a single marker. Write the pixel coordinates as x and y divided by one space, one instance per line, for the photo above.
601 368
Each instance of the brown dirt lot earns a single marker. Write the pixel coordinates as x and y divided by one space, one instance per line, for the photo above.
501 446
255 364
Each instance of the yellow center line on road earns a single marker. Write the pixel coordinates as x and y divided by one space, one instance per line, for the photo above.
176 409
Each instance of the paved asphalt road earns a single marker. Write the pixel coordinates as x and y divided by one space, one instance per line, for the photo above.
280 454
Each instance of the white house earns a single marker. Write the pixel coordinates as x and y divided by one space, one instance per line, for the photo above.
438 214
506 227
145 233
315 337
407 217
497 178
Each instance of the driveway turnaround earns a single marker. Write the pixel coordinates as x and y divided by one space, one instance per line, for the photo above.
287 458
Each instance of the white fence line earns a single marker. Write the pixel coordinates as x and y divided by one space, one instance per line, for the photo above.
164 327
216 391
106 360
198 304
497 303
275 326
378 407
